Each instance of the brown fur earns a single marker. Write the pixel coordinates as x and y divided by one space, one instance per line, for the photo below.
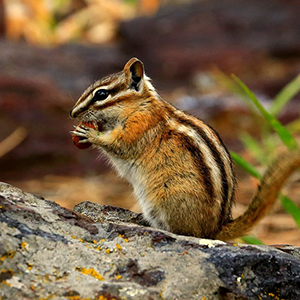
181 172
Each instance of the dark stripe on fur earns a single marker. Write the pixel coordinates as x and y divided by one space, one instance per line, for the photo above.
231 200
220 164
200 164
224 217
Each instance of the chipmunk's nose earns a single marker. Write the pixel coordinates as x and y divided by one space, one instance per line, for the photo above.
73 113
76 111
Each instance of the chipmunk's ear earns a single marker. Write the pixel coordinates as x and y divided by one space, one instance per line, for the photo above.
134 70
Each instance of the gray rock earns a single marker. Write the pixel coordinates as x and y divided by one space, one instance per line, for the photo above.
101 252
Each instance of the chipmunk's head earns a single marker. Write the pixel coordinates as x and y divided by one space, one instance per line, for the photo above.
106 99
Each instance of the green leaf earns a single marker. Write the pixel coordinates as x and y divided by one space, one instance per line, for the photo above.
285 95
282 132
291 208
252 240
245 165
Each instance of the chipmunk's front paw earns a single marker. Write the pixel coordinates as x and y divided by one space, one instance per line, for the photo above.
84 136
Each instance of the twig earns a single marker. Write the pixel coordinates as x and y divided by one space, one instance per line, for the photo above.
12 140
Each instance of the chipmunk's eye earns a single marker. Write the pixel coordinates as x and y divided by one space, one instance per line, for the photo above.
100 94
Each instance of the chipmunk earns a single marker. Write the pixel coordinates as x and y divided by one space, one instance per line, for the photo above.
181 171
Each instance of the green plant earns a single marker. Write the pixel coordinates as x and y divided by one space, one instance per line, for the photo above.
284 133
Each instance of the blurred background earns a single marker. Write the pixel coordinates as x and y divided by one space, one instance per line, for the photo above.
51 50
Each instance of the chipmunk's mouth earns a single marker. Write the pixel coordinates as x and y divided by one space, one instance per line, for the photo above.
92 124
88 119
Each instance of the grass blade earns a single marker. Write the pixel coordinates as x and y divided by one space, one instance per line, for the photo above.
282 132
249 239
291 208
285 95
245 165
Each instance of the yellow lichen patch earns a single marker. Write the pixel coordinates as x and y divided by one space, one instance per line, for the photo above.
10 271
7 283
107 250
124 238
91 272
29 266
118 247
94 241
47 298
9 254
46 278
118 277
23 245
79 239
101 297
75 297
273 296
6 274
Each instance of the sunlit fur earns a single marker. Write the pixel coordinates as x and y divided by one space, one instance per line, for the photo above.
180 170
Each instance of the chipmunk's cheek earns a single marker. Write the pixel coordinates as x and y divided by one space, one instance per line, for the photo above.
78 140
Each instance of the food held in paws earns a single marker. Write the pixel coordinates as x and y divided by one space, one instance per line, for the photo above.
76 138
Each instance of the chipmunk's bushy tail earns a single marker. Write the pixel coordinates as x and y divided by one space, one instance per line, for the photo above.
265 196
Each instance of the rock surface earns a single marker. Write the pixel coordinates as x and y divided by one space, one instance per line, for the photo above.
101 252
